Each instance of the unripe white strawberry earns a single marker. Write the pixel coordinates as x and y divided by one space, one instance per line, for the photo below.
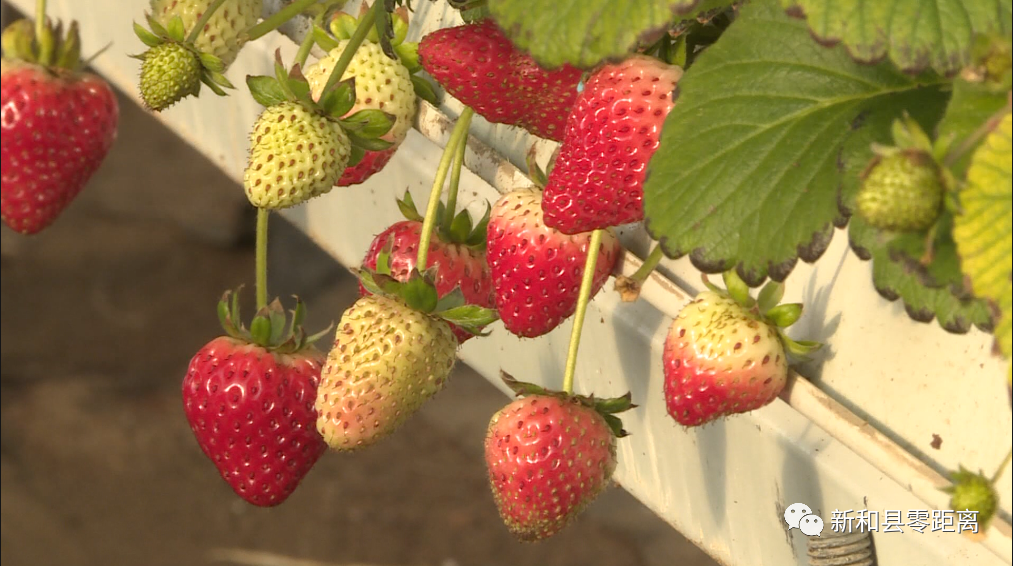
221 34
295 155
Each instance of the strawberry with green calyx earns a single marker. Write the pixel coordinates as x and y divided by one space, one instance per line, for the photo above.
299 147
726 352
59 122
249 399
393 350
173 68
536 270
457 253
217 28
477 64
610 136
549 455
903 187
973 492
382 84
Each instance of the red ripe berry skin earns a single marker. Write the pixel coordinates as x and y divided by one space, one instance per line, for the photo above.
611 135
459 265
58 127
252 413
548 458
371 164
478 65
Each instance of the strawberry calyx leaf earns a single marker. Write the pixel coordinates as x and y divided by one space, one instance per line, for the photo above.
606 407
463 230
53 49
269 328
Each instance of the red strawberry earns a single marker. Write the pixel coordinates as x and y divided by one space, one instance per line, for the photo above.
726 355
458 253
478 65
58 126
611 134
250 403
549 455
536 270
370 164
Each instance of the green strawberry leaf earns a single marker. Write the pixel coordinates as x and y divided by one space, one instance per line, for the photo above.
212 63
324 39
266 90
340 99
460 227
937 266
451 300
156 28
970 106
176 30
894 280
148 38
784 315
984 229
419 291
424 90
207 80
369 123
407 207
355 156
616 424
585 32
343 25
470 317
614 405
522 388
770 296
408 53
260 330
759 141
219 79
369 144
914 34
478 234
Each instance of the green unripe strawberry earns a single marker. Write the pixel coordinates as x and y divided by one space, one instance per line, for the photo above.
170 72
387 360
295 155
973 492
901 192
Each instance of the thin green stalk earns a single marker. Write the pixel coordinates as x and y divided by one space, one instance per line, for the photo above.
263 215
204 18
365 25
278 19
650 263
40 18
998 471
582 299
304 49
976 136
455 181
458 136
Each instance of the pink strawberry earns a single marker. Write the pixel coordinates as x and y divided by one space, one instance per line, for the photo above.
478 65
611 134
458 254
536 271
249 399
58 125
372 162
549 455
726 355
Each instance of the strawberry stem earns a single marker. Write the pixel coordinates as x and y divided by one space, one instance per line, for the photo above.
203 20
458 137
304 49
1002 466
40 19
278 19
976 136
361 31
263 215
651 262
582 299
455 181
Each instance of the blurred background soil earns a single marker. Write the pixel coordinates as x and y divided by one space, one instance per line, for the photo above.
100 316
